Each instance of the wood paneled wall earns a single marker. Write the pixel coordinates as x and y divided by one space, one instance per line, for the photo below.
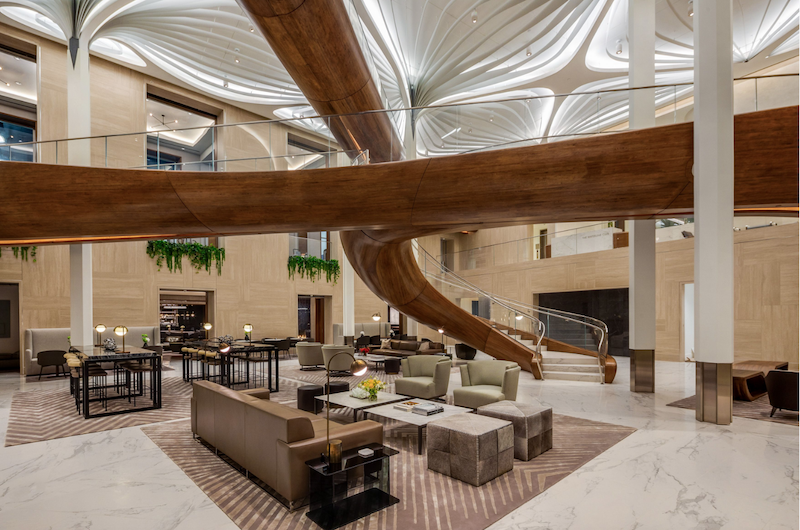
254 286
765 288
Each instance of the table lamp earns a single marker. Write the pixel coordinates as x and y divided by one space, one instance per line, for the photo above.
121 331
248 329
333 449
100 328
207 326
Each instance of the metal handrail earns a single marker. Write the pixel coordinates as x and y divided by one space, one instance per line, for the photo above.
403 109
601 328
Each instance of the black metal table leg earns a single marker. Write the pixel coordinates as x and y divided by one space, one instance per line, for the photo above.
85 368
419 439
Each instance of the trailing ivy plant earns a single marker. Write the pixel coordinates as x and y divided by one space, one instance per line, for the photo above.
22 252
200 256
313 268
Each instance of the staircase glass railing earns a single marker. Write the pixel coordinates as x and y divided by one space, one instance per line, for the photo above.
524 322
531 117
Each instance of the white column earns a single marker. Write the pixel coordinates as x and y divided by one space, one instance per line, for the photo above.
79 124
642 240
79 118
713 207
348 298
80 294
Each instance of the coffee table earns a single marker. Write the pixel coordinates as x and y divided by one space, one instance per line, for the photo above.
377 359
344 399
388 411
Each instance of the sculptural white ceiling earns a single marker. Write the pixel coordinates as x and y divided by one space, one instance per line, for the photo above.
421 52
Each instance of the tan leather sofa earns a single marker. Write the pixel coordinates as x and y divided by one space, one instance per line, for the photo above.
270 440
407 348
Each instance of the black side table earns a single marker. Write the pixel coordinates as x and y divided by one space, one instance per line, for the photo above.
337 494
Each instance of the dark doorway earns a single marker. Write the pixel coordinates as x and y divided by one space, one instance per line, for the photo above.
9 326
608 305
319 320
303 316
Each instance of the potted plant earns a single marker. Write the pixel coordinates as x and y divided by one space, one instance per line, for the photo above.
145 340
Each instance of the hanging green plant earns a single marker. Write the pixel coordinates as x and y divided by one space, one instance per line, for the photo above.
313 268
22 252
200 256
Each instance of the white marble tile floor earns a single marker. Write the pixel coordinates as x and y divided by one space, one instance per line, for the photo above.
672 473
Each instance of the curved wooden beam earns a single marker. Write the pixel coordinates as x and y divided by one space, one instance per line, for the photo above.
316 43
386 263
619 176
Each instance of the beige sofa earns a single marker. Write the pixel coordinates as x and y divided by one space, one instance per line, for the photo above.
484 382
41 339
406 348
424 376
270 440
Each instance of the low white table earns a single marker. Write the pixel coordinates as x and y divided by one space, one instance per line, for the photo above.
388 411
344 399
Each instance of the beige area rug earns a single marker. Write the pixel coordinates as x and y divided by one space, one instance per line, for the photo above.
755 410
428 500
40 415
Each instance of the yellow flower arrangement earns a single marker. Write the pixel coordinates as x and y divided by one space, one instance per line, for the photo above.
372 386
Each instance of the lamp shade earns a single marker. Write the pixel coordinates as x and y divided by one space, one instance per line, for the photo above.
224 347
100 328
376 317
207 326
358 367
248 328
121 331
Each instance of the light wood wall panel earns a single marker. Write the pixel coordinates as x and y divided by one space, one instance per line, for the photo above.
765 288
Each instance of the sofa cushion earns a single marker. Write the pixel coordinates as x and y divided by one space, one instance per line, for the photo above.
393 344
477 396
386 344
406 345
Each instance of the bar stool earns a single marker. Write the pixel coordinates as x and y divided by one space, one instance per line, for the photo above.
259 374
134 379
96 373
208 359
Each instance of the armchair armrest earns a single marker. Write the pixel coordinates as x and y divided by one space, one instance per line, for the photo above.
441 377
465 375
510 383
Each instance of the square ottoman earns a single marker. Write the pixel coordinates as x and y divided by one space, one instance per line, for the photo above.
533 426
471 448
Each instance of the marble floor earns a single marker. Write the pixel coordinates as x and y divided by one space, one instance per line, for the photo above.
672 473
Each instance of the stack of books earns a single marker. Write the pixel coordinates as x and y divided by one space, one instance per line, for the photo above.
426 409
406 406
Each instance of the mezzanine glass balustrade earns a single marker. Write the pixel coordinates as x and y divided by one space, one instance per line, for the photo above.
535 117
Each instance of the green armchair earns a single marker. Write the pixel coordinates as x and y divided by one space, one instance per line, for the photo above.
424 376
484 382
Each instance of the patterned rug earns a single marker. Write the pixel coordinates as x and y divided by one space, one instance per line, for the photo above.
428 500
40 415
755 410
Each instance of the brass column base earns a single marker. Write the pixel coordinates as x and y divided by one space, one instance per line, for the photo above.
643 371
714 393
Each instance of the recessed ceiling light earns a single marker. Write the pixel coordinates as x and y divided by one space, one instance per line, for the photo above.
12 136
252 29
691 8
236 60
225 84
1 67
176 121
8 84
151 114
17 58
618 51
474 16
20 84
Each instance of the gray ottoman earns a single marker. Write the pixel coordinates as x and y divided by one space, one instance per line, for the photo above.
471 448
533 426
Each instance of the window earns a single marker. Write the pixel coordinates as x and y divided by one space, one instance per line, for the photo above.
315 244
16 131
179 137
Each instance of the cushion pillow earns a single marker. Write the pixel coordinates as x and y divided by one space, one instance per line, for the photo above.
386 344
423 346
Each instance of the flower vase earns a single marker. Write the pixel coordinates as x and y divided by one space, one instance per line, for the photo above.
373 397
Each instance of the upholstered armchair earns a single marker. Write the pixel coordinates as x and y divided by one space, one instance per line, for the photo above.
484 382
782 387
339 364
309 355
424 376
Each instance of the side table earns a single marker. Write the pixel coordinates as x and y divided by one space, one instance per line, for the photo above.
338 496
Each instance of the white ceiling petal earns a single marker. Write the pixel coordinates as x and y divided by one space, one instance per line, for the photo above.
757 24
